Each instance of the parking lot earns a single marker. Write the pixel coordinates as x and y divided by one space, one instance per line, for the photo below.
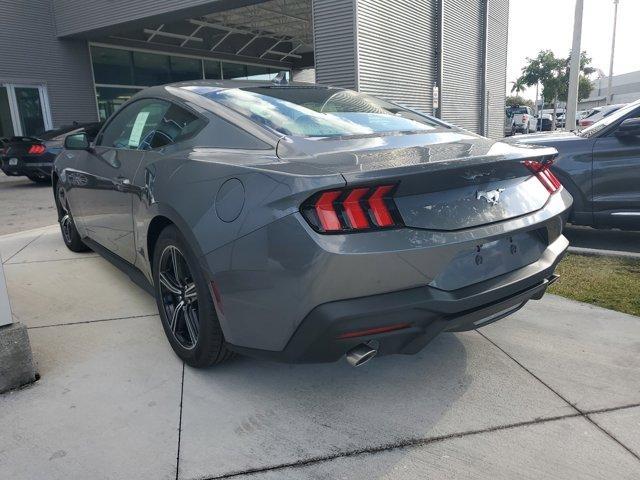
553 392
25 205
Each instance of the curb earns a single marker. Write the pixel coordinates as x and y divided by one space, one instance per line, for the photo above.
604 253
16 360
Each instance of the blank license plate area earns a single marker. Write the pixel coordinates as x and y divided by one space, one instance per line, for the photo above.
487 260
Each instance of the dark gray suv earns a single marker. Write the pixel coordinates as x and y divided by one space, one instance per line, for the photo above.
301 223
600 166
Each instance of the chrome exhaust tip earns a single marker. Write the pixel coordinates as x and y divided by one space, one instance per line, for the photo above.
360 355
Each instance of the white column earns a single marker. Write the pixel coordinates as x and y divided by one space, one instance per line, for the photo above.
574 74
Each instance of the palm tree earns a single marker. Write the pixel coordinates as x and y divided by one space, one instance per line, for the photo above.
518 86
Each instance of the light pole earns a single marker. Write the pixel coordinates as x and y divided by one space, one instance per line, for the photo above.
574 68
613 48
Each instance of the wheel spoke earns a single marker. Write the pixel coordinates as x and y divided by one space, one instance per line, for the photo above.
190 291
174 261
191 321
173 325
170 284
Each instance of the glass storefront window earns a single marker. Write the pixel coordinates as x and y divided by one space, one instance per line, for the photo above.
231 71
212 70
112 66
30 110
151 69
6 124
259 73
183 68
111 98
129 71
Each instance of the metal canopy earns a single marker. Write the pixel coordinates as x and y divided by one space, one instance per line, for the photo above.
275 30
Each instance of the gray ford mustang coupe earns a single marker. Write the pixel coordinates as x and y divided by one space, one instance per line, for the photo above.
303 223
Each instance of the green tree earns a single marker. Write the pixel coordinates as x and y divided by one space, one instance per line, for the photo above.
553 74
516 100
518 86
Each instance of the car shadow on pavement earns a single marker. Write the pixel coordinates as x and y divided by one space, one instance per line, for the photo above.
616 240
271 413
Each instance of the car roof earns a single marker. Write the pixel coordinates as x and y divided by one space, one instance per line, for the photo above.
209 85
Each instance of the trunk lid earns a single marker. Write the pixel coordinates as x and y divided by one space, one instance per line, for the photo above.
447 180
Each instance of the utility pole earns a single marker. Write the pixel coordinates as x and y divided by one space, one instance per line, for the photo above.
613 48
574 68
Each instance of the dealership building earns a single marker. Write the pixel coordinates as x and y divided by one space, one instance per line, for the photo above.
64 61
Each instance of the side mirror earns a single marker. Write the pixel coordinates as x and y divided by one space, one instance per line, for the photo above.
629 128
77 141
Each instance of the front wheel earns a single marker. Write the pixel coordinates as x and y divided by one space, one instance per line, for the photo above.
68 229
185 303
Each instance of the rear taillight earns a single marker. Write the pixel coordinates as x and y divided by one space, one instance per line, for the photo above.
542 170
352 210
36 149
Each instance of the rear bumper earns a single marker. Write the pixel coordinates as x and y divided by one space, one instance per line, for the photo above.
426 312
39 168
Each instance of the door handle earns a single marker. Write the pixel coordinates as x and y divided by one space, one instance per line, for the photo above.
122 184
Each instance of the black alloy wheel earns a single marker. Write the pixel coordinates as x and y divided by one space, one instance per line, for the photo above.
70 234
179 297
185 302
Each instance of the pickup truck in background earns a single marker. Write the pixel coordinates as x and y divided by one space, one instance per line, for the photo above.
524 121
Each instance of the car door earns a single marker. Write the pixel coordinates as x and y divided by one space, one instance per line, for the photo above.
103 189
616 178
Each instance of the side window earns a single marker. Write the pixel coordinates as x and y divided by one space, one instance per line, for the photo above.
131 127
177 124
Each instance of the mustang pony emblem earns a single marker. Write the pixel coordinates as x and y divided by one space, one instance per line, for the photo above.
491 196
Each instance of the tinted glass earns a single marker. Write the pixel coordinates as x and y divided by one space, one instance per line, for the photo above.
6 125
212 70
151 69
133 126
319 112
183 68
30 109
259 73
177 124
112 66
110 99
232 71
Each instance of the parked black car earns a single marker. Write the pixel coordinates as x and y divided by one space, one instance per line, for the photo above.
33 156
600 167
547 124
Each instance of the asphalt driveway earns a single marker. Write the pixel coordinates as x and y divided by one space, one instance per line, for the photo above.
553 392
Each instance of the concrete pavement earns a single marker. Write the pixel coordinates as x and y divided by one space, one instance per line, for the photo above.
25 204
553 392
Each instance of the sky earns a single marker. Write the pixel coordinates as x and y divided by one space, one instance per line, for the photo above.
536 25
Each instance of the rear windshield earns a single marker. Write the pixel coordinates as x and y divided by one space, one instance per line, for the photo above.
517 110
321 112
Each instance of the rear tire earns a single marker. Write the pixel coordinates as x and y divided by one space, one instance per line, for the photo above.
185 303
36 179
70 234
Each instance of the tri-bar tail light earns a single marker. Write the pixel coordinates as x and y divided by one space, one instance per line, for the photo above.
542 170
36 149
354 209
